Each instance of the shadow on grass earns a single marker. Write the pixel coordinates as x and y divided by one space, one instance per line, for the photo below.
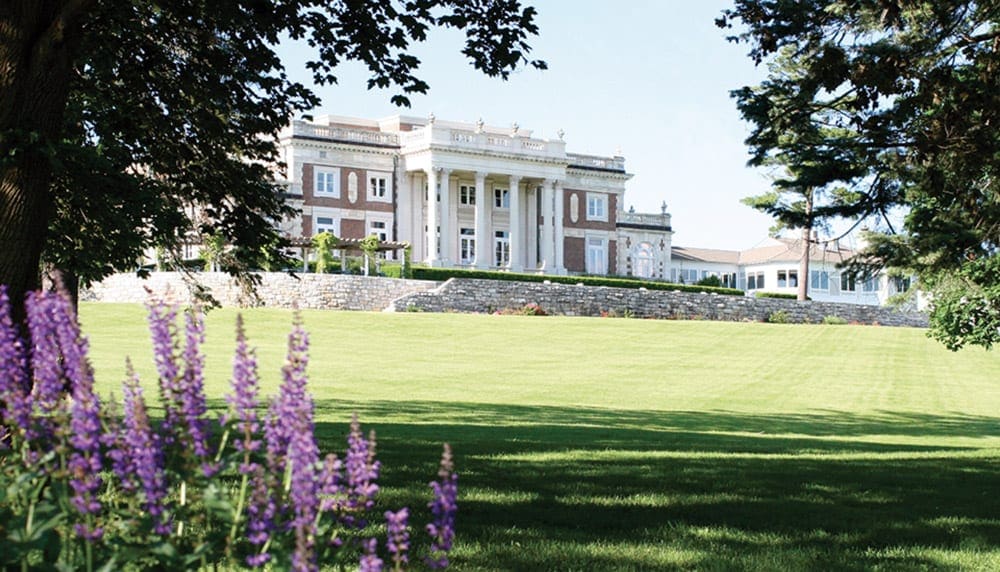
558 488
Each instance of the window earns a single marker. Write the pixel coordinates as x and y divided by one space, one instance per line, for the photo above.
870 284
467 195
327 183
643 267
760 280
467 245
901 284
378 188
788 278
819 280
597 206
501 198
729 280
847 282
688 276
597 256
378 228
502 243
755 281
326 224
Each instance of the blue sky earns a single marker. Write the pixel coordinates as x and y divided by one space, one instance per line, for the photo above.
648 77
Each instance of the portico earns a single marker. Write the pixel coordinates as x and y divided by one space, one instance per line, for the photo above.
495 203
485 220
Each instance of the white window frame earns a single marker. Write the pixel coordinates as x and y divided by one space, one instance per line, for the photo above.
817 279
596 255
597 206
326 182
501 198
848 282
467 195
333 227
379 187
467 245
501 248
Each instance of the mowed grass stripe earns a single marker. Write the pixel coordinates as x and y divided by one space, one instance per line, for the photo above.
616 444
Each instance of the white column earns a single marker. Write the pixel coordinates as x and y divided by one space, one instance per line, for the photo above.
483 242
558 225
444 217
403 216
432 218
547 252
516 226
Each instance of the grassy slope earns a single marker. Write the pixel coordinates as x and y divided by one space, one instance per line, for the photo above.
632 444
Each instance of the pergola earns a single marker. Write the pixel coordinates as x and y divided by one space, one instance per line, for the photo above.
345 246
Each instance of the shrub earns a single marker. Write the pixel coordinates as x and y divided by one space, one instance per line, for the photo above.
710 281
834 320
442 274
530 309
779 296
85 485
324 243
778 317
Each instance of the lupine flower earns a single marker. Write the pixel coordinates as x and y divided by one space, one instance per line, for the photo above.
398 537
303 456
362 470
330 489
44 321
146 453
260 516
243 400
85 424
284 409
443 508
370 562
113 441
163 327
14 385
192 389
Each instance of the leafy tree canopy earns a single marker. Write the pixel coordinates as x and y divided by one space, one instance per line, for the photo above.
119 120
889 103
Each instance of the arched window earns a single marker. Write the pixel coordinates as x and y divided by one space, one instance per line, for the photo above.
644 263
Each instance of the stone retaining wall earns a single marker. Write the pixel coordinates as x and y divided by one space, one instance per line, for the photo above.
277 289
469 295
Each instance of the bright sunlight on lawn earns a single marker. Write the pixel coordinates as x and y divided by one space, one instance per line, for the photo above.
605 444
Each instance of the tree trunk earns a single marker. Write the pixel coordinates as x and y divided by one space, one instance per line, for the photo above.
803 292
38 39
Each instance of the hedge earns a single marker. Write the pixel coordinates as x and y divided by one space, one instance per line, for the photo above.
442 274
778 295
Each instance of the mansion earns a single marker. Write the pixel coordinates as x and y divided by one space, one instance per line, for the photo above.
470 195
477 196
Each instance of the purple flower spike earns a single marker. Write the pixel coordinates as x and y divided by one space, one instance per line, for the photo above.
330 489
443 508
192 396
163 327
243 400
362 471
85 424
303 455
146 453
284 409
45 319
260 516
398 541
14 386
370 562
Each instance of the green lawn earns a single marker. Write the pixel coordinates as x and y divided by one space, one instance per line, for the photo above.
601 444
